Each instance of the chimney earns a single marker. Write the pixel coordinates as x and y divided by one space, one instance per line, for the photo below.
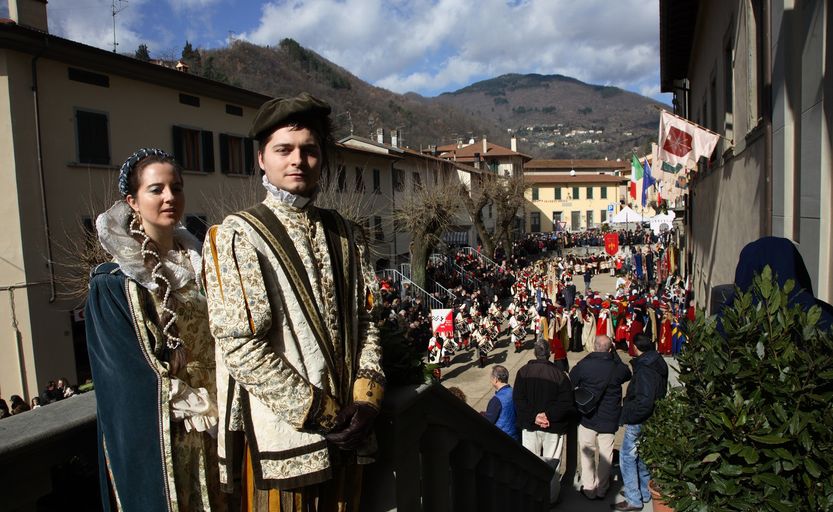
513 144
181 66
459 142
394 138
380 135
29 13
485 145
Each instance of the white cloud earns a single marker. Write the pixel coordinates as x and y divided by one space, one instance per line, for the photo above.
181 5
434 45
92 23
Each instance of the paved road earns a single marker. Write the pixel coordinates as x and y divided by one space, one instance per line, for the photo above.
474 382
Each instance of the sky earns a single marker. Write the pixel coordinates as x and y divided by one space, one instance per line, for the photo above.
424 46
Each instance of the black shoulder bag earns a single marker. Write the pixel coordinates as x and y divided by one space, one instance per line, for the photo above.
586 400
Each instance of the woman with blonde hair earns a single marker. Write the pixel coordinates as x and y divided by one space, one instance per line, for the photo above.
151 352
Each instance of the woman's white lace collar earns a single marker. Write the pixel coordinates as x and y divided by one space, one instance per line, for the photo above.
287 198
114 236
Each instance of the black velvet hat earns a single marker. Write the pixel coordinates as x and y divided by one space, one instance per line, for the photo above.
304 109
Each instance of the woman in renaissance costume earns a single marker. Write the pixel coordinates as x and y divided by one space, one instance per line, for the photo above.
151 351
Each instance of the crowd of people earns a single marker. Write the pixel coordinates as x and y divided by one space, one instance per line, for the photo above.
53 392
535 292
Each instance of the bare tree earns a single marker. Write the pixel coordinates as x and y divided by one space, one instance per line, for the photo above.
225 200
477 197
508 196
426 212
78 250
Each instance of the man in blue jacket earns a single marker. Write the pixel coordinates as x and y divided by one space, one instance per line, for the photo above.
649 384
501 409
602 373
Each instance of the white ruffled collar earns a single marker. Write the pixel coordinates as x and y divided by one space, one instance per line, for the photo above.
112 227
287 198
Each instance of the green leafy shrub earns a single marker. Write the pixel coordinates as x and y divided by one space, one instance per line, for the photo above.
752 426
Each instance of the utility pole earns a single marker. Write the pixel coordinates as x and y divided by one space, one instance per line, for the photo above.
114 10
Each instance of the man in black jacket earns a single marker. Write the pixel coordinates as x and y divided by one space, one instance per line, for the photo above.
602 373
649 384
544 406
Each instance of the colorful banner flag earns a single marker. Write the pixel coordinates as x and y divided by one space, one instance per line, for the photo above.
611 243
442 322
666 179
647 181
636 175
682 143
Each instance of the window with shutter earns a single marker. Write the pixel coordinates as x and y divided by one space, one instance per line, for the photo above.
233 155
93 138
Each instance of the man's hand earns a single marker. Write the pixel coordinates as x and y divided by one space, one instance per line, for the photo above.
352 425
541 420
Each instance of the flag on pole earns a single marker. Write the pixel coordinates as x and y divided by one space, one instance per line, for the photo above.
636 174
647 181
682 143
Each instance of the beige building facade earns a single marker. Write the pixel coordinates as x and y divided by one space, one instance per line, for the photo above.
69 116
407 169
772 173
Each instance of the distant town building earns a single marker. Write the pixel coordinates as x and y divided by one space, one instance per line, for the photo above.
498 159
558 199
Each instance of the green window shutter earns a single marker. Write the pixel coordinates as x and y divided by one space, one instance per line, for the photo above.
207 151
179 146
224 163
249 155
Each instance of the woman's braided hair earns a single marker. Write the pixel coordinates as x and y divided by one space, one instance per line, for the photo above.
173 346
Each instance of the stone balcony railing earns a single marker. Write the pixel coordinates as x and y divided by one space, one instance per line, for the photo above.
435 454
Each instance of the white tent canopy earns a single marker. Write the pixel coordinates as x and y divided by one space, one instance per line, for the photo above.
661 222
626 215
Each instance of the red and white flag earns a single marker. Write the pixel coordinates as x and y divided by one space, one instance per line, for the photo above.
682 142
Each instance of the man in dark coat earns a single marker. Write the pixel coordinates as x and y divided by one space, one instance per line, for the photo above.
544 406
569 293
602 373
649 384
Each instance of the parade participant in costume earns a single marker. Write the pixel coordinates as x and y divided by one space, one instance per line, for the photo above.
484 345
577 327
447 350
665 334
678 337
290 291
604 325
558 337
151 353
622 331
588 331
434 350
634 329
515 335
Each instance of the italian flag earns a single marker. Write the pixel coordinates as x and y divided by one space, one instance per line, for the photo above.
636 174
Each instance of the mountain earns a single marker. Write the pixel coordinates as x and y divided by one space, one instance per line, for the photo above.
552 115
561 117
288 68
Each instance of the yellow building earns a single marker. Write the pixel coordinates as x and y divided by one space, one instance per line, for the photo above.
573 194
561 201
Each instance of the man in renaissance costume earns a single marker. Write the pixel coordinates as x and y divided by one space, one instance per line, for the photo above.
290 292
